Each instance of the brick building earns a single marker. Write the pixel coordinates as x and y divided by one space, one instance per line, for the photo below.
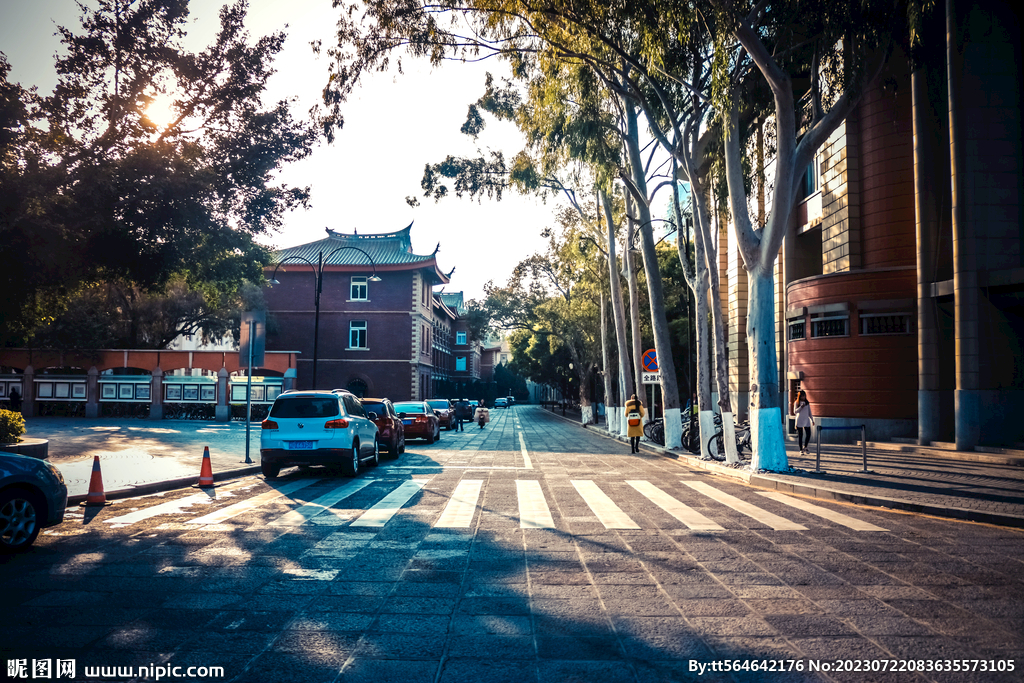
900 286
390 337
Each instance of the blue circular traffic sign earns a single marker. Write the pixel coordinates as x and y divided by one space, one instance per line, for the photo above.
650 360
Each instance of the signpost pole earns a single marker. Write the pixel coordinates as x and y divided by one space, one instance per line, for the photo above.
248 396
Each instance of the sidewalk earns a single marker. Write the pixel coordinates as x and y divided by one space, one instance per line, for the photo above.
143 456
970 486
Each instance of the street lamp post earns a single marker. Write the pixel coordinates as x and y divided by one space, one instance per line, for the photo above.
318 274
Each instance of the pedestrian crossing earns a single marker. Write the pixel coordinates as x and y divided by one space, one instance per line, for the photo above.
706 508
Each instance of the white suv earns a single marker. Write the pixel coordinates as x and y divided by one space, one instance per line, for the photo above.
318 428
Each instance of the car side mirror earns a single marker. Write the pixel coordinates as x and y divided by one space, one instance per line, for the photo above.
371 416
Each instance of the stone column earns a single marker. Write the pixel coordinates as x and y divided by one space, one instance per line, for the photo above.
223 412
156 395
28 392
92 395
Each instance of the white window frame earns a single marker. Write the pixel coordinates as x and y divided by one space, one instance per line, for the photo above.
355 327
461 364
460 338
359 282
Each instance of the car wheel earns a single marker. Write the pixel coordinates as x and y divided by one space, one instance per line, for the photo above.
351 469
19 520
401 449
270 470
375 458
430 437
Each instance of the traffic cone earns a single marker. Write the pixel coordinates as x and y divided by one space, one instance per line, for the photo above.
206 471
96 497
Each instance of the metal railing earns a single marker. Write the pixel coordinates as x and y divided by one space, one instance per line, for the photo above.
863 444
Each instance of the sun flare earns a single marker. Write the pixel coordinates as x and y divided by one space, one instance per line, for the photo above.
161 111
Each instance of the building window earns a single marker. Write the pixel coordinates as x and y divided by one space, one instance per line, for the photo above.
357 334
460 338
460 364
885 323
358 291
808 181
797 330
832 326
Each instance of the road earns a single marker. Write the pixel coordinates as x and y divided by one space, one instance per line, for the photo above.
531 550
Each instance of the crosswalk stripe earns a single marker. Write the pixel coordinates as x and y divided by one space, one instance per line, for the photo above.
322 504
684 513
170 507
458 513
527 463
831 515
607 512
533 508
251 504
382 512
763 516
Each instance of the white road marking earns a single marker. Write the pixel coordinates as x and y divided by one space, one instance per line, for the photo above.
382 512
527 463
458 513
684 513
607 512
174 507
533 508
831 515
763 516
252 503
322 504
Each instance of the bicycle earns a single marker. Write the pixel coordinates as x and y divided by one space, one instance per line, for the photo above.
742 431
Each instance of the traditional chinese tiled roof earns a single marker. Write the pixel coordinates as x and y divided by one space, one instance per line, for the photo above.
454 301
383 249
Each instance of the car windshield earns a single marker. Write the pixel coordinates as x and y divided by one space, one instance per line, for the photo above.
304 406
375 406
410 407
443 405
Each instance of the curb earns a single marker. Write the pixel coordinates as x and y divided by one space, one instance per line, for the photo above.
823 492
167 485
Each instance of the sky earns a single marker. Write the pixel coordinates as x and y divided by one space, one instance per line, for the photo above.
394 125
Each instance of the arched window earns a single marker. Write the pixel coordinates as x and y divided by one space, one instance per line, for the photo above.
357 387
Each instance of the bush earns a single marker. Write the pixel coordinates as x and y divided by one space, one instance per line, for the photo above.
12 426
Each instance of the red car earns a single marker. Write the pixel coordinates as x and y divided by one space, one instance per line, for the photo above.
420 420
390 429
445 411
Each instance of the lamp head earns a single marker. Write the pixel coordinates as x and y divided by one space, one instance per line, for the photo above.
275 282
374 278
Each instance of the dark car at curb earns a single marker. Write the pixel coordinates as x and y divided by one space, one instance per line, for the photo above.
445 412
419 420
328 428
390 430
32 497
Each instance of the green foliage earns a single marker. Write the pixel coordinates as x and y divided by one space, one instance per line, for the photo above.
94 191
12 426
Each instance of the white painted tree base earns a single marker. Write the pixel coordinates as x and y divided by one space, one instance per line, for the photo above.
673 428
707 430
587 414
769 442
729 436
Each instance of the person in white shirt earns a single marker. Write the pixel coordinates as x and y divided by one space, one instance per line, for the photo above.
804 420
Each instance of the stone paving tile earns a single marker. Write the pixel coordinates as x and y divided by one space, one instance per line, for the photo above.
577 647
486 671
363 670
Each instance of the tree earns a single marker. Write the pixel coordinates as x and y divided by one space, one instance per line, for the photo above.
100 188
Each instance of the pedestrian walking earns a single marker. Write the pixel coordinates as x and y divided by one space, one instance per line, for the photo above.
804 420
634 422
483 416
460 413
15 398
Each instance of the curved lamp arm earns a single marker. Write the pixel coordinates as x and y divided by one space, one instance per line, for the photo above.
374 277
273 275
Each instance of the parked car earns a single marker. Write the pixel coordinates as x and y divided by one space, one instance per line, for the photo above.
32 497
464 409
318 428
445 412
390 430
501 403
420 420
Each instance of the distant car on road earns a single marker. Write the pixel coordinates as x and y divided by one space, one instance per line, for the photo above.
419 420
390 430
501 403
445 412
318 428
32 496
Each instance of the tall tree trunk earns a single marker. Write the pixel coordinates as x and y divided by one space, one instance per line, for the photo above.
606 368
619 316
634 306
765 411
662 336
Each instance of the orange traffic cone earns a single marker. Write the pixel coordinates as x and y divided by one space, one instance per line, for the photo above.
96 497
206 471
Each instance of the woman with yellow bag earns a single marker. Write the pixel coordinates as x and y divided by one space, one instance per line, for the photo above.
634 422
